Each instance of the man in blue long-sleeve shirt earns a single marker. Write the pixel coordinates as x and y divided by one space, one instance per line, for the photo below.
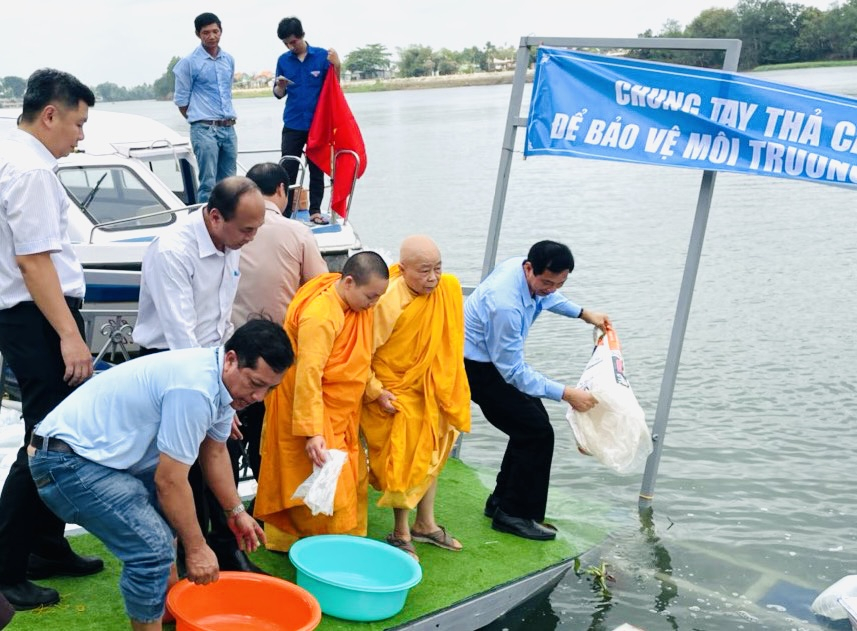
497 318
203 94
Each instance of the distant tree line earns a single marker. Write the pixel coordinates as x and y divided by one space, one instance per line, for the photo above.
771 32
13 88
373 61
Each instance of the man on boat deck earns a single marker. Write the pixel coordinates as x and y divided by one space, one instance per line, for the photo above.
41 330
203 94
283 256
420 392
301 72
497 318
317 406
190 276
115 456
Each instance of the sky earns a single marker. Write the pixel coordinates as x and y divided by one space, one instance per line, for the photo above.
130 42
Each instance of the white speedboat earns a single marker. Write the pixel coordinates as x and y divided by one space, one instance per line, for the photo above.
130 178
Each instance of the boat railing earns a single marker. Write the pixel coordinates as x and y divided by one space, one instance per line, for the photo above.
166 211
298 184
302 168
336 157
154 146
299 180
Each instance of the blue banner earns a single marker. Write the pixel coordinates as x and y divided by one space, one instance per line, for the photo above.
608 108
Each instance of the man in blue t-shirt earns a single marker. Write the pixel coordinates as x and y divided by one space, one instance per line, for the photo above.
300 75
114 457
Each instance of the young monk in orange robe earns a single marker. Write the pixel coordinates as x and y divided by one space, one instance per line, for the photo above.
420 391
317 405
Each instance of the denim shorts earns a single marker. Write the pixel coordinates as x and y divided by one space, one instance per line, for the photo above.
121 510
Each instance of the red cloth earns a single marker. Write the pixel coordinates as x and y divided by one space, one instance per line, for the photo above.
334 129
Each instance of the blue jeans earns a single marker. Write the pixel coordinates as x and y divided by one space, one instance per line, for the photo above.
120 509
216 151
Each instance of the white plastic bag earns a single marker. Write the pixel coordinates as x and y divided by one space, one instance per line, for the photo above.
827 602
615 430
318 489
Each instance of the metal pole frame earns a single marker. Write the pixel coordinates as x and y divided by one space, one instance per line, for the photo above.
732 50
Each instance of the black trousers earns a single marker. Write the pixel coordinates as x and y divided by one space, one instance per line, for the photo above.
209 513
292 144
251 419
522 484
31 348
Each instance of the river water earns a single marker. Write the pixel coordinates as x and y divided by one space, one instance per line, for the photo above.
754 509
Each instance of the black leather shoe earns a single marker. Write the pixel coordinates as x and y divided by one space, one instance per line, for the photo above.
40 568
238 561
7 612
26 595
490 506
520 527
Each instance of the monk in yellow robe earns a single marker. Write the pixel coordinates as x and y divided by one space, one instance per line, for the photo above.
317 405
420 391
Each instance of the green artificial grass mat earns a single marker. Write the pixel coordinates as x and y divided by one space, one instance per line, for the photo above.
489 559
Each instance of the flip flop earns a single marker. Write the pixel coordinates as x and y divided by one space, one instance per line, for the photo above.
440 538
401 544
318 220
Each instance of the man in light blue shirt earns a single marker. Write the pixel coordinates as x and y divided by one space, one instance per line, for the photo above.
497 318
203 94
114 457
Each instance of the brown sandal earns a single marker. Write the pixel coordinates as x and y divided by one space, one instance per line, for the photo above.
401 544
440 538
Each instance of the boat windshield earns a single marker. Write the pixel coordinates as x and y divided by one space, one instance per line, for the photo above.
113 193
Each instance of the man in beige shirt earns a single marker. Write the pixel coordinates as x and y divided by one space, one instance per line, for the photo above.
282 257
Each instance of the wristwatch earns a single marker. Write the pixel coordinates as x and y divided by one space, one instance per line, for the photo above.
239 508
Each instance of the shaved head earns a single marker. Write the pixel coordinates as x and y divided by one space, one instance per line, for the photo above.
418 246
420 262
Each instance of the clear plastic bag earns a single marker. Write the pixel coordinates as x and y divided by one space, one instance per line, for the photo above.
828 604
615 430
318 490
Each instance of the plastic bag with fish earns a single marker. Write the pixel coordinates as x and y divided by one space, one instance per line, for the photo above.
615 430
318 490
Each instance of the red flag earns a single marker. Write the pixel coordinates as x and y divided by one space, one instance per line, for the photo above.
334 129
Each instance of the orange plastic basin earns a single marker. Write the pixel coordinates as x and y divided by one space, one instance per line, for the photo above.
242 600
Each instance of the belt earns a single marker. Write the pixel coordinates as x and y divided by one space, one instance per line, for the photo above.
54 444
74 303
223 122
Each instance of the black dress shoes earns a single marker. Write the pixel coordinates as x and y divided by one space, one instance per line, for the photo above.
7 612
26 595
238 561
520 527
39 568
490 506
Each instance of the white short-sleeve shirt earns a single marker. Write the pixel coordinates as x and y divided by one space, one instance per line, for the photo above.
33 218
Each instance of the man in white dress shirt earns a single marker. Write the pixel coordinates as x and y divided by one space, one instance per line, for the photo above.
190 276
190 273
283 256
41 331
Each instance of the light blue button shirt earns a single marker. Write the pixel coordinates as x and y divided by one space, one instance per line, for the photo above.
497 318
166 402
204 85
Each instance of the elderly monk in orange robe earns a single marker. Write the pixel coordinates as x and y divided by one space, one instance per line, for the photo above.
420 391
317 405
